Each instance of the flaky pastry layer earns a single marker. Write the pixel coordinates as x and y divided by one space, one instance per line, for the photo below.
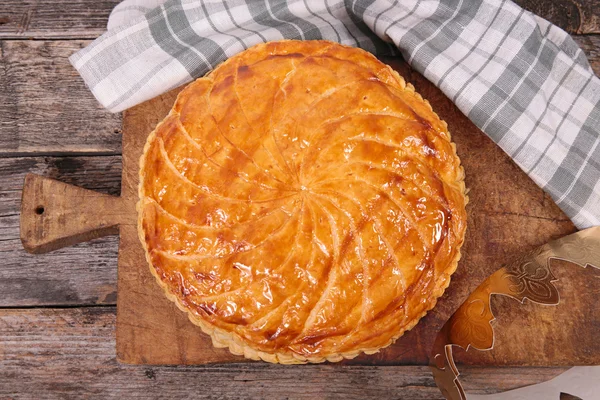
302 203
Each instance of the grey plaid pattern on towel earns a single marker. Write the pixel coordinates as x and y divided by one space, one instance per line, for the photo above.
520 79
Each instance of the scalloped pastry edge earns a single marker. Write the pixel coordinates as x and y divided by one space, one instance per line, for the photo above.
231 340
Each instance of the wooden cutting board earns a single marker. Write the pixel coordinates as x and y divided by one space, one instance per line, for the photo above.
508 215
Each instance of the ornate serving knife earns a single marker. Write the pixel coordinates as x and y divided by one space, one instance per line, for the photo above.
529 277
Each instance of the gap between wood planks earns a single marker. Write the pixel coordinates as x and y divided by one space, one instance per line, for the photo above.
60 306
72 19
80 275
71 352
58 154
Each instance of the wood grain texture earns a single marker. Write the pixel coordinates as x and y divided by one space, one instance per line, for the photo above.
46 108
565 396
79 275
590 44
71 353
79 19
574 16
102 174
56 215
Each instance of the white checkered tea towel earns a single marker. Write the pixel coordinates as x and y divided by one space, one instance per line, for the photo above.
520 79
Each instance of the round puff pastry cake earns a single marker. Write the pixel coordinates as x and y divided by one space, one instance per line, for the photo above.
302 203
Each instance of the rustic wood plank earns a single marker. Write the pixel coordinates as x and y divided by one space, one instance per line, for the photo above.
102 173
54 18
83 274
78 275
44 105
87 18
56 215
590 44
71 353
574 16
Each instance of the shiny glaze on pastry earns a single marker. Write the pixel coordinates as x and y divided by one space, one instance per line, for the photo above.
302 203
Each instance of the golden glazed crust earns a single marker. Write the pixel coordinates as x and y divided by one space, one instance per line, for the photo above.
302 203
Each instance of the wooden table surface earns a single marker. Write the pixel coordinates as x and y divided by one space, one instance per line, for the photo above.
57 310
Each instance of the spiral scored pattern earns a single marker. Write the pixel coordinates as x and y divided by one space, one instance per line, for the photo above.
302 203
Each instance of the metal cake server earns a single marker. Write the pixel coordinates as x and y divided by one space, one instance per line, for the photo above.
529 277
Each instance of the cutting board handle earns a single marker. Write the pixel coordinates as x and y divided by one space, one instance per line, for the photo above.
55 214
